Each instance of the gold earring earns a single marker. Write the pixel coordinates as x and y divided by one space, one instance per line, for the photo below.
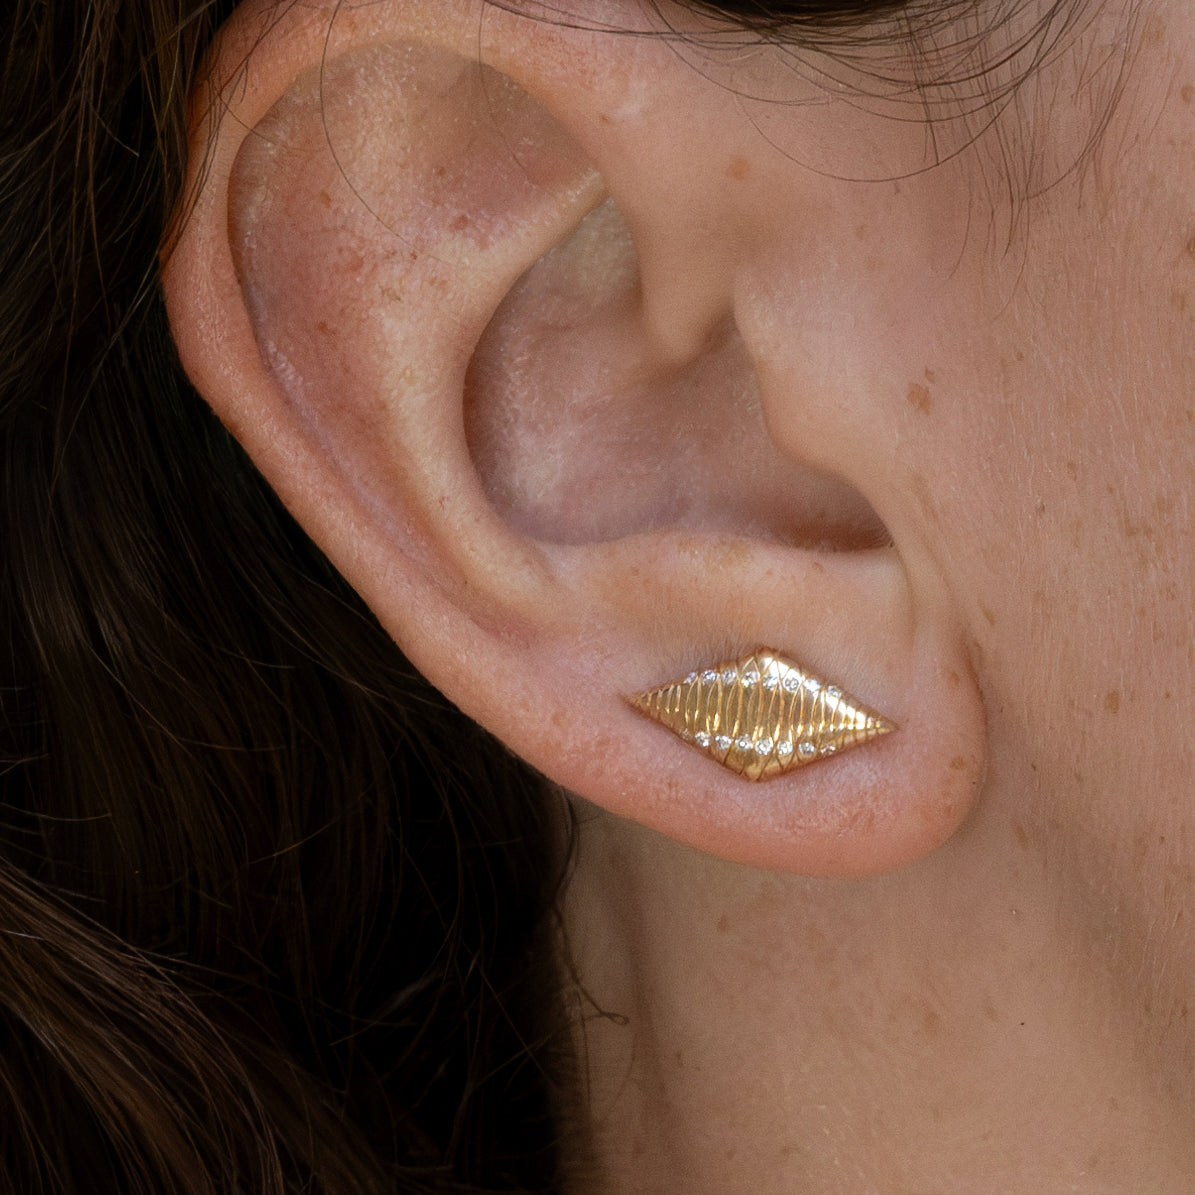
762 715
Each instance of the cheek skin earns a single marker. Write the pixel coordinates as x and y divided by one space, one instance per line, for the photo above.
1054 459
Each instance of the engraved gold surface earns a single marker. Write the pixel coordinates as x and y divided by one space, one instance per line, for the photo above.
762 715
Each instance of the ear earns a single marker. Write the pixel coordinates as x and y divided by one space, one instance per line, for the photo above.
544 375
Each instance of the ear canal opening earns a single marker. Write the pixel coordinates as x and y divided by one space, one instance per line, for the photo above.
580 435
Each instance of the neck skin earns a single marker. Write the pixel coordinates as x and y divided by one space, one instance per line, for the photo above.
934 1029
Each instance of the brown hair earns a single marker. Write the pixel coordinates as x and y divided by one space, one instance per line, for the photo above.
270 909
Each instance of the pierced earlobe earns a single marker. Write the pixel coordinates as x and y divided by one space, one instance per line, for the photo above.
762 715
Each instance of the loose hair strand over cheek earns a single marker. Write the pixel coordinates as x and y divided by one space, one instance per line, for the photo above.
964 70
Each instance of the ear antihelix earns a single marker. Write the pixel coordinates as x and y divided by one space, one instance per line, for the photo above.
329 305
762 715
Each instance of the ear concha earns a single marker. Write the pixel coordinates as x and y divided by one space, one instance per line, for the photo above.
762 715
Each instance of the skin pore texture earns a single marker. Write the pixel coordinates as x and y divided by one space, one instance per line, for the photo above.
1010 1014
779 379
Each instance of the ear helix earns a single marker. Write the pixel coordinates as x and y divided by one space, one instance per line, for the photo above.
762 715
330 307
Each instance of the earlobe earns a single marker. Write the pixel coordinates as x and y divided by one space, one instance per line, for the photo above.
413 286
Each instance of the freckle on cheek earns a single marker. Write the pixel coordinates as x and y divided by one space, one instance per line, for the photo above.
919 398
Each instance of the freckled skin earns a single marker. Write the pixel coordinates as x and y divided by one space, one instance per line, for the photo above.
919 398
1016 1002
932 424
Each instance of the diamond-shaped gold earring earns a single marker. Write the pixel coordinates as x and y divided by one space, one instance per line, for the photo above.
762 715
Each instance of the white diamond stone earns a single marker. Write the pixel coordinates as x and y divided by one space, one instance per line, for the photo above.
834 692
806 750
701 739
709 676
828 749
729 676
763 747
811 684
743 742
690 678
750 677
771 681
791 682
784 747
722 742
